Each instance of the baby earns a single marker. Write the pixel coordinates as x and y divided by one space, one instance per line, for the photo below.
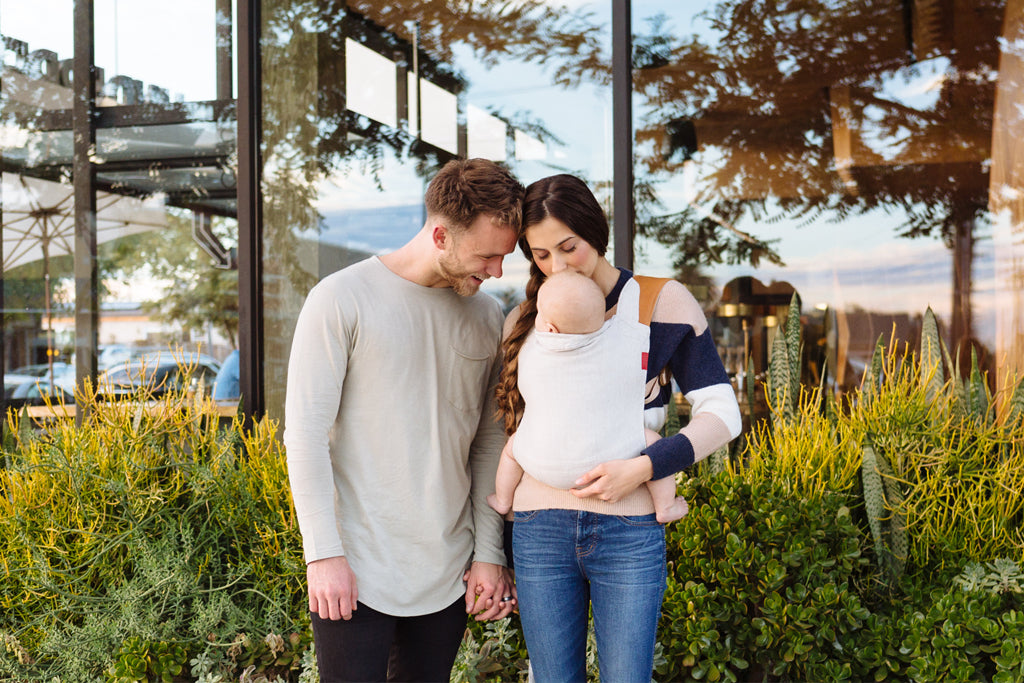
577 414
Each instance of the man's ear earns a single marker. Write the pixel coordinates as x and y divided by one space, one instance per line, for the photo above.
441 237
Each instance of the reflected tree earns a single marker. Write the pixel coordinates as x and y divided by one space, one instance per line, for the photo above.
193 292
791 106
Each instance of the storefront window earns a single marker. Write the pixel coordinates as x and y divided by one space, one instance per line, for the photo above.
839 150
164 177
364 102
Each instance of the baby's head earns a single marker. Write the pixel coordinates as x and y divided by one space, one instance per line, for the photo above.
569 303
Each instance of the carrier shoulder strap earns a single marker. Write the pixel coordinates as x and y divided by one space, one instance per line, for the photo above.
650 288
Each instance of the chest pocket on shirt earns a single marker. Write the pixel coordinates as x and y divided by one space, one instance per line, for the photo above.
466 378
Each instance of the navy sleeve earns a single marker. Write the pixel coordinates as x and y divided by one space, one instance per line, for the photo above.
695 364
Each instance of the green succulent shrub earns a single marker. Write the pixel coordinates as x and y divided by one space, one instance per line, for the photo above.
144 538
761 584
934 462
844 542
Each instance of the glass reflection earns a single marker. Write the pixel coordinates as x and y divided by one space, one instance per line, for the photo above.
530 87
165 137
840 148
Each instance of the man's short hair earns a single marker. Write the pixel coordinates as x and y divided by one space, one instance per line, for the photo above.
465 189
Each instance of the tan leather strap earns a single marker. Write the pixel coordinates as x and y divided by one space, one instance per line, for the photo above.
650 288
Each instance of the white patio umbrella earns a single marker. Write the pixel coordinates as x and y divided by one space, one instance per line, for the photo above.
39 223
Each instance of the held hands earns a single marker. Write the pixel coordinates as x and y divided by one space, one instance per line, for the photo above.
612 480
332 588
487 586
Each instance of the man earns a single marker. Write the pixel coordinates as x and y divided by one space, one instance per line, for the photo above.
392 441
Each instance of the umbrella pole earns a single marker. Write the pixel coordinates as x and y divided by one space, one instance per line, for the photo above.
46 307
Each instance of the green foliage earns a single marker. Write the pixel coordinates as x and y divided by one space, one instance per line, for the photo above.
931 356
883 505
142 538
999 576
941 477
794 347
760 583
780 380
932 479
877 539
138 661
491 651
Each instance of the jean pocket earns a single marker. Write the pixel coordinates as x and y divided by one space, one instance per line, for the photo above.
526 516
650 520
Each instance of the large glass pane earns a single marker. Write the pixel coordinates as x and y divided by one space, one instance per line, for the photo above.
353 132
38 212
165 183
839 150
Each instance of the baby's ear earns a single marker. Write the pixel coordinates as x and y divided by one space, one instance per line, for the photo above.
550 327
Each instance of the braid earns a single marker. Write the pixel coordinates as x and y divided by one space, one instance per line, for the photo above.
510 401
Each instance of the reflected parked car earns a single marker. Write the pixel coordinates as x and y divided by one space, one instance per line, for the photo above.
28 374
159 373
117 354
40 391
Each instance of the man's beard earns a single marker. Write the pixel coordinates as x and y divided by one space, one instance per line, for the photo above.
462 281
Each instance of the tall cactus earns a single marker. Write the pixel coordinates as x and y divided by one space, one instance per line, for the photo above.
779 382
784 364
932 349
872 381
978 397
794 347
958 390
883 504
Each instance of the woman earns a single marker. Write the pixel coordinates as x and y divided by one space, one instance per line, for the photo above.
600 543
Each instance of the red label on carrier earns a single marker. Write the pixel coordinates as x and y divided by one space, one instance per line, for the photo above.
643 361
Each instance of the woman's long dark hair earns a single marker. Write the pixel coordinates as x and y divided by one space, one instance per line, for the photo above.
567 199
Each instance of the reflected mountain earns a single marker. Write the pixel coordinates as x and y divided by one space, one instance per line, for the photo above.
375 230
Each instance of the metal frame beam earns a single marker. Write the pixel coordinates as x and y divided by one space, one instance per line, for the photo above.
250 212
84 178
622 133
132 115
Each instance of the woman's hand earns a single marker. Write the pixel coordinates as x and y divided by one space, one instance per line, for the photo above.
612 480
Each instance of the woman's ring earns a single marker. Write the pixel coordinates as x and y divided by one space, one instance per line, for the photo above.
506 598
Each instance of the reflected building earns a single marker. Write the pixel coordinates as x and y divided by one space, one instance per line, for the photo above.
860 153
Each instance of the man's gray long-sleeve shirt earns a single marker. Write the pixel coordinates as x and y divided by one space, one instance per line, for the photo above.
391 441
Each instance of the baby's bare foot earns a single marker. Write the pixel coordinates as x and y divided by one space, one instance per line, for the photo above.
676 511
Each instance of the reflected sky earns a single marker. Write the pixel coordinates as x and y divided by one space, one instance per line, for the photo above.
859 261
166 44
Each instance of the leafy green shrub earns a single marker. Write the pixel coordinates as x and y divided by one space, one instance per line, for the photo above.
144 538
761 583
491 651
934 465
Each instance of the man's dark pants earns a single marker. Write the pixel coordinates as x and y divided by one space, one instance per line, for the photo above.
372 646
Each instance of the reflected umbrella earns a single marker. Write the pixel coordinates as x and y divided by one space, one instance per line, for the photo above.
39 224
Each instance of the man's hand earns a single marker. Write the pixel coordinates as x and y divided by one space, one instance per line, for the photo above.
612 480
487 586
332 588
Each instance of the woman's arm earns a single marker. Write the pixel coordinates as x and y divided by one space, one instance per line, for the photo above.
697 368
694 360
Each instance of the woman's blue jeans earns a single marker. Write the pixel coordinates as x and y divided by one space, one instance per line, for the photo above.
566 559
